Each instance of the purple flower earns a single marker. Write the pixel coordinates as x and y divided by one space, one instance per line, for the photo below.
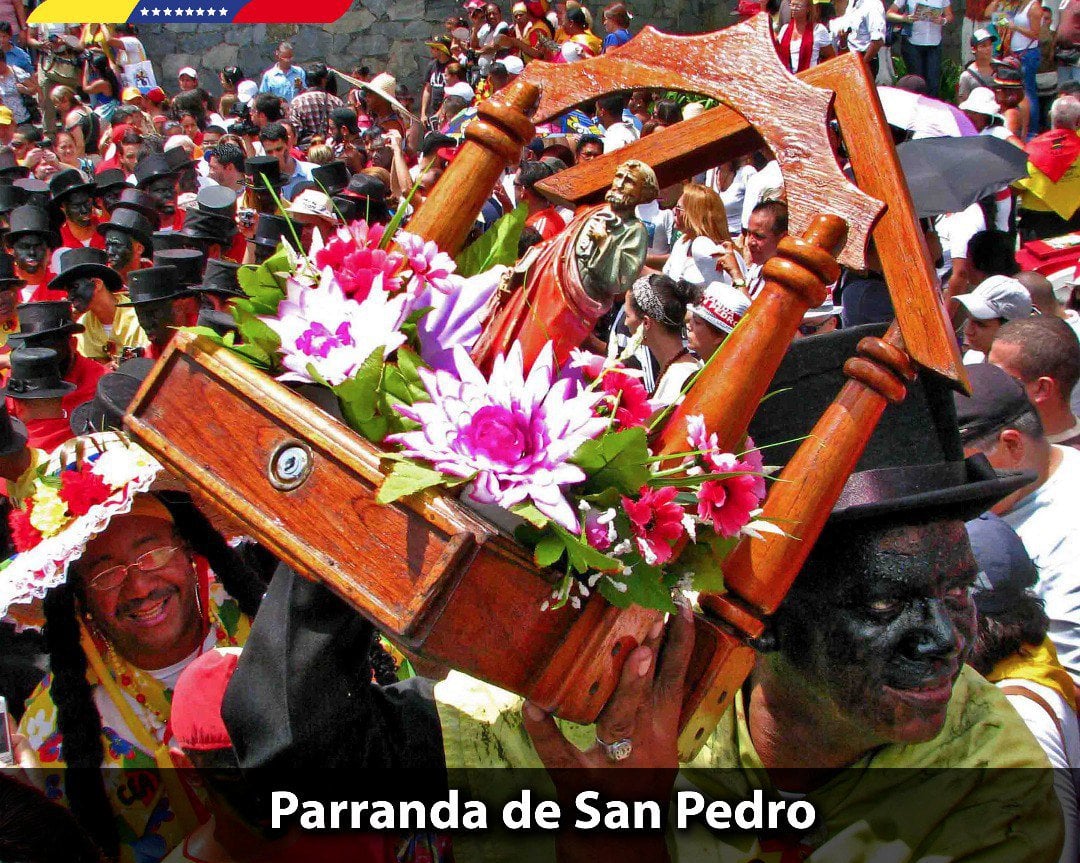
429 266
511 436
320 327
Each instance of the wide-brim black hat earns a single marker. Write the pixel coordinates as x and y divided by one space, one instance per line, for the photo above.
36 191
270 229
35 374
189 264
221 277
332 177
219 200
151 168
111 179
9 164
115 392
221 323
163 240
131 222
11 196
203 225
178 159
142 203
259 167
913 468
86 263
155 285
31 219
8 279
44 321
66 183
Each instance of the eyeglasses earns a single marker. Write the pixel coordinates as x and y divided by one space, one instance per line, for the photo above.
152 561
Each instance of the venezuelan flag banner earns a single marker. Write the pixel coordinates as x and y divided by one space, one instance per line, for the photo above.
190 12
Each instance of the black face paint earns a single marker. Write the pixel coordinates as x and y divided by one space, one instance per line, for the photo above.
110 199
30 252
79 209
157 320
80 293
881 624
163 191
119 249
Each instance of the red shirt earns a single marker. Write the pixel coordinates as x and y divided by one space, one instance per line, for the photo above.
48 434
41 292
69 241
548 222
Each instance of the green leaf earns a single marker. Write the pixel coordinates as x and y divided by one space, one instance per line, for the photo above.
405 479
207 333
703 561
582 556
497 245
359 396
409 327
548 551
645 587
615 461
531 514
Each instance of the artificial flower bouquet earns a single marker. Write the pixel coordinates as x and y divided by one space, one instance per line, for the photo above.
387 326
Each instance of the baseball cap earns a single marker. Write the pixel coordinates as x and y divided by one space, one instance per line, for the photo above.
722 306
442 43
6 117
189 71
155 95
997 297
996 400
980 35
1005 568
246 91
513 64
130 93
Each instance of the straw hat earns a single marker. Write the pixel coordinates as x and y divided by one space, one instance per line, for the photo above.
384 84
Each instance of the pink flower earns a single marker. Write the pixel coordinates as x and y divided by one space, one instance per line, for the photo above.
512 435
599 528
727 503
429 266
657 522
753 461
628 396
357 262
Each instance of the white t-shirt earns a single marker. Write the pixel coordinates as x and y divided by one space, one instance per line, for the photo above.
866 21
732 196
955 231
923 30
669 387
769 177
694 261
1063 754
1046 522
822 39
619 135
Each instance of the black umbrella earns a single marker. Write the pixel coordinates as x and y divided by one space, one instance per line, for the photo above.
947 175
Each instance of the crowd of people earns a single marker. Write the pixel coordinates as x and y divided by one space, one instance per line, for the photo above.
130 207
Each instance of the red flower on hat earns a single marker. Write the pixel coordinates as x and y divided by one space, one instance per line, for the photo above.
23 534
657 522
81 489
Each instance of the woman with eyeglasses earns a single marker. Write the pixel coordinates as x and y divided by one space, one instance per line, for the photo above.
136 584
704 253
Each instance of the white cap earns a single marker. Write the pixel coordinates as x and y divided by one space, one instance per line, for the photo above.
180 141
460 89
189 71
997 297
513 64
722 305
692 109
246 91
573 51
981 100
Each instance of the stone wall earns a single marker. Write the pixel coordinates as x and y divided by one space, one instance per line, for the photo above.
382 34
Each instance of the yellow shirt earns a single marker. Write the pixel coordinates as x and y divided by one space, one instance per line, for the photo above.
97 343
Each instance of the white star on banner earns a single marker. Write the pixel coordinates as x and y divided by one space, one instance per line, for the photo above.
200 11
168 11
224 12
155 11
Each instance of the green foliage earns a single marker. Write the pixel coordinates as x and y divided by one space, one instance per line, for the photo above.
408 478
950 79
497 245
618 461
649 587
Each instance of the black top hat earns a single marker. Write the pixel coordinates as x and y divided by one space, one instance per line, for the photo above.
220 200
36 191
13 434
189 264
35 374
370 194
202 225
332 177
83 263
43 321
11 197
170 240
221 323
179 159
115 391
9 164
155 285
130 222
221 277
913 467
349 208
140 202
68 182
270 229
30 219
258 167
111 179
152 167
8 279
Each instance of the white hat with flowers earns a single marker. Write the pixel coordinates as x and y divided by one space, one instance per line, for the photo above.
60 506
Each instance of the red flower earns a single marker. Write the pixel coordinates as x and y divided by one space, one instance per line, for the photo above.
630 396
657 522
728 502
357 261
23 534
82 489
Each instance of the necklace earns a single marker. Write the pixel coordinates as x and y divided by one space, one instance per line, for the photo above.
663 369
